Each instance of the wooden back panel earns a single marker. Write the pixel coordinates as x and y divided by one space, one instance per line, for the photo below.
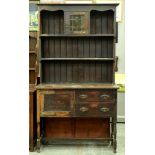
73 71
102 22
52 22
76 128
80 47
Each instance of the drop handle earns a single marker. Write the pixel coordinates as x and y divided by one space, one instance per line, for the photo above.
104 96
83 109
83 96
104 109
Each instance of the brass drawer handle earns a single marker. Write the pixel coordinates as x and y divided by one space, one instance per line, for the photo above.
83 109
83 96
104 96
104 109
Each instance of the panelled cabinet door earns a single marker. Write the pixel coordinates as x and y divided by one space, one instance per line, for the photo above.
76 22
56 103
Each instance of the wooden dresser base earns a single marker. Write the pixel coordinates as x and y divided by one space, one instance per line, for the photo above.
76 114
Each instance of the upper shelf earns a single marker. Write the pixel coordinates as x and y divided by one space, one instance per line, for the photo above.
80 59
77 35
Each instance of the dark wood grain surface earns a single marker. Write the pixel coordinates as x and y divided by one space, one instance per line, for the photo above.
76 128
32 118
81 47
32 89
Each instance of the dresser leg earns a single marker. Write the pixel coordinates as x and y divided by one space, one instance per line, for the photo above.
114 146
112 130
114 135
38 137
38 145
31 118
31 146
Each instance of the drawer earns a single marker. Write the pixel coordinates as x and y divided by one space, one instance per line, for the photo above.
94 109
95 95
56 103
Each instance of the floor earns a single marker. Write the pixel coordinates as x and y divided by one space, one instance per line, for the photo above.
86 149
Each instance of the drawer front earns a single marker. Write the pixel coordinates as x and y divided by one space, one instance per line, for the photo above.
95 95
56 103
94 109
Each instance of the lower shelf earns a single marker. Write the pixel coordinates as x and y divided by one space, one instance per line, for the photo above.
77 141
90 131
77 128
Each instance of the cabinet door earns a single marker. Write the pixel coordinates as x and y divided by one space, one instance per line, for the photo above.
76 22
56 103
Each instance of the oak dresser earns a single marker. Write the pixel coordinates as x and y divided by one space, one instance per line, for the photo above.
77 95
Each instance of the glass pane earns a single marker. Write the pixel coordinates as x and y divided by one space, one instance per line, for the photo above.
77 22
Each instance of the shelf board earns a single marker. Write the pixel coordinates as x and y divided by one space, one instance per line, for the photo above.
86 4
77 86
77 35
79 59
